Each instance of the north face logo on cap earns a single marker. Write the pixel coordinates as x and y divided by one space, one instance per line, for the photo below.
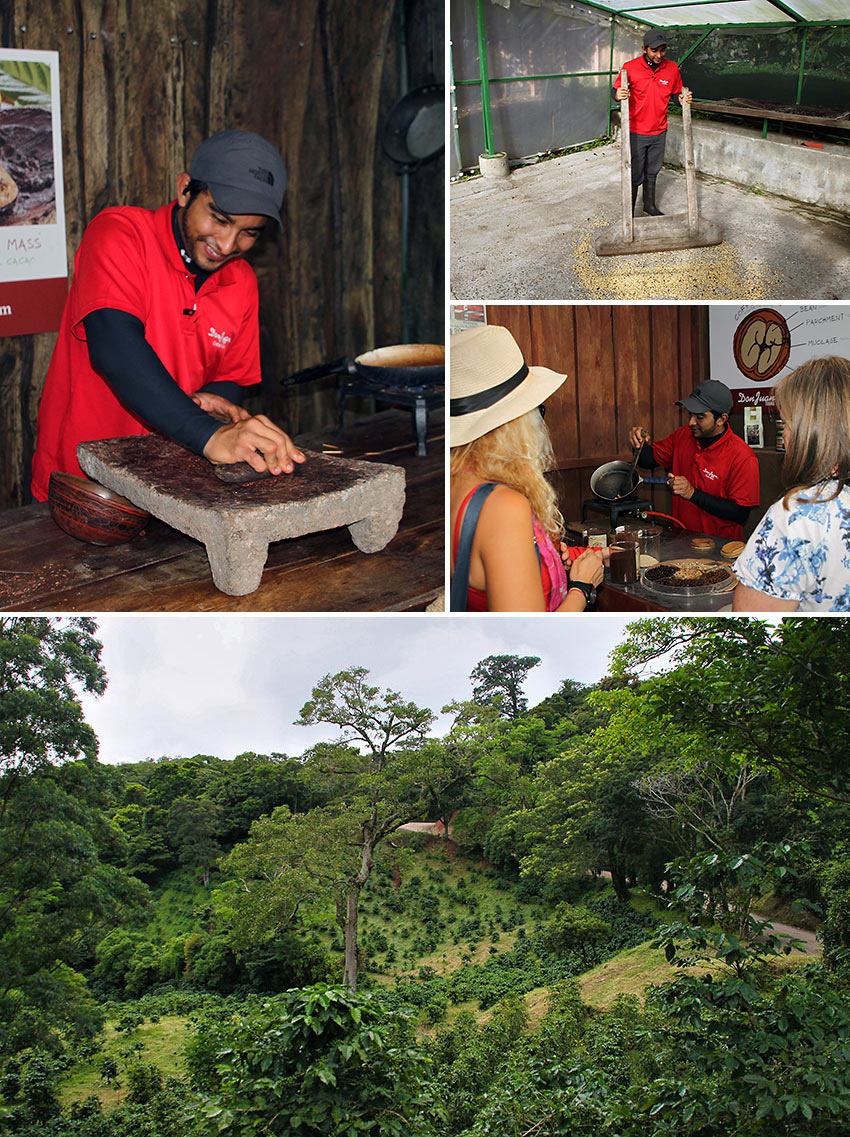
262 175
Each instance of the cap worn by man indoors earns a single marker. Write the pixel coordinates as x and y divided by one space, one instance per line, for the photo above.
710 395
654 38
244 173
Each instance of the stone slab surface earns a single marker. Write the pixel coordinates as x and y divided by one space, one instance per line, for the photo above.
236 523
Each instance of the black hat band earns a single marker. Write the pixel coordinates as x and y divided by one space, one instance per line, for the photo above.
483 399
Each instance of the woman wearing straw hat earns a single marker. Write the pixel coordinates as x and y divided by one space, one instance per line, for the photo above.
507 554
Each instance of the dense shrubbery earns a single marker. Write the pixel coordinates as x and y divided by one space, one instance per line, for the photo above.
316 1061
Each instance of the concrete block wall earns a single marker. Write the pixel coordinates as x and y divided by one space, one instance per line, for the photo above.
780 165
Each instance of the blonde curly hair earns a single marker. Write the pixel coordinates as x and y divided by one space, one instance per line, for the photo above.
517 454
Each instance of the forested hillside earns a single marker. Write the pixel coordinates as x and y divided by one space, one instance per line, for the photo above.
405 932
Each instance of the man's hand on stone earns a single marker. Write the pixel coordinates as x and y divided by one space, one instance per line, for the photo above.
622 94
219 407
257 441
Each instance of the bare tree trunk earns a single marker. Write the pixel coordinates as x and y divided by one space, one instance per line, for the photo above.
352 906
352 903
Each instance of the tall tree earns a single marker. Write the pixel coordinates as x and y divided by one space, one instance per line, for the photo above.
380 769
193 827
499 679
55 885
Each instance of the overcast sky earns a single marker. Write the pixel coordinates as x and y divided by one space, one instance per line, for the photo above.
224 685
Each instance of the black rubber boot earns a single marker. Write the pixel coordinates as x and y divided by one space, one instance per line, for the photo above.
649 206
635 189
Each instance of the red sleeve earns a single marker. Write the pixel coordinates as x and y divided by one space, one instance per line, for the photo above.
742 483
677 82
575 551
110 270
619 80
663 451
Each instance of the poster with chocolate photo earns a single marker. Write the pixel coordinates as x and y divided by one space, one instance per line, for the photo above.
33 257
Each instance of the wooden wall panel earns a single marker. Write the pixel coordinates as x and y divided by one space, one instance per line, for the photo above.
627 365
595 380
144 83
554 346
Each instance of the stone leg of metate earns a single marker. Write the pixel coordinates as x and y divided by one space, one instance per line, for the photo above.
237 560
375 530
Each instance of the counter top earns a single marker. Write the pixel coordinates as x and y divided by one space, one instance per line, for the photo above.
636 598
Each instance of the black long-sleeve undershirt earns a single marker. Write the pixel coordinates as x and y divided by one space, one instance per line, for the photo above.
722 507
120 353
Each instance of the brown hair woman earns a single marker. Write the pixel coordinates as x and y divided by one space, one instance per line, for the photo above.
799 557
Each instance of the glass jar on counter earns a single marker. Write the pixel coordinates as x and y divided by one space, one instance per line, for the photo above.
650 545
624 553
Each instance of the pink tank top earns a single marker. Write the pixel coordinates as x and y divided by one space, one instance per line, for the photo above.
553 574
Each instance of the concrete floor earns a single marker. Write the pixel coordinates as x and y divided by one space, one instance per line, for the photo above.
529 238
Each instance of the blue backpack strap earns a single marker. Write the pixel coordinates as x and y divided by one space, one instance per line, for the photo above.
460 576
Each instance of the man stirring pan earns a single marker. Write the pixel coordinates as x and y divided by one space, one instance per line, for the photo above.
160 330
653 81
715 474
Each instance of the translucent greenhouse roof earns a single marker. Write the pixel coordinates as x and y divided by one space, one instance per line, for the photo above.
710 13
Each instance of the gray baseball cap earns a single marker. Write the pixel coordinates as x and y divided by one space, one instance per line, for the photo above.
710 395
654 38
244 172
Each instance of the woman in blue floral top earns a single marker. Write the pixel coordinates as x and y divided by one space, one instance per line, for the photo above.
799 557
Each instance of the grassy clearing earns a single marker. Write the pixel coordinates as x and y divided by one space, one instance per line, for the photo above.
161 1044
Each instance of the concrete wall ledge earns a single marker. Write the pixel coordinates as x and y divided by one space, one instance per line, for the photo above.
778 164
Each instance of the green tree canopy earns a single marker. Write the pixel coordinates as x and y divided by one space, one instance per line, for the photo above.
498 679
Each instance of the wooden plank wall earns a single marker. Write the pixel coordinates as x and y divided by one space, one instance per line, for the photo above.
144 83
625 365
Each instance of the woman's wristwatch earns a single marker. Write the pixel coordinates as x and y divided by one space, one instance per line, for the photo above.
587 590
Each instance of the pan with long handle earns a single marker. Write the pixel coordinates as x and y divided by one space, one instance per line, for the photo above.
399 365
616 481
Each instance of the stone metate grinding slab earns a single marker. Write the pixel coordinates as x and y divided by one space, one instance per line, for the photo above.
237 522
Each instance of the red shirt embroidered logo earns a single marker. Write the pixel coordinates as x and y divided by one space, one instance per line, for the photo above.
220 339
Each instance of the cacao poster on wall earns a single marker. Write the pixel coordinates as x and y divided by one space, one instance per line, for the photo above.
753 346
33 258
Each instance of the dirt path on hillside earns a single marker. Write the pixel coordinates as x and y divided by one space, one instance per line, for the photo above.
809 938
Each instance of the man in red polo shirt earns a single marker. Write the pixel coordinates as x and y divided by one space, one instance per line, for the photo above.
653 81
160 330
714 473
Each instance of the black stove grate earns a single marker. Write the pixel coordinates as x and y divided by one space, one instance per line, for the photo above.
614 510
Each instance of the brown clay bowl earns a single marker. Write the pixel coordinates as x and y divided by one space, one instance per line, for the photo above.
91 512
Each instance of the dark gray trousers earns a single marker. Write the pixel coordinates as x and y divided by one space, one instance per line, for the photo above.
647 155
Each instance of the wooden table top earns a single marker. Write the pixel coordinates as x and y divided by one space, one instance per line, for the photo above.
42 569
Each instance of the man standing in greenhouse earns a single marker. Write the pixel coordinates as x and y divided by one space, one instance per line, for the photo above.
653 81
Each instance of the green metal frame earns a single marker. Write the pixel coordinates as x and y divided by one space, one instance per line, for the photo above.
484 79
